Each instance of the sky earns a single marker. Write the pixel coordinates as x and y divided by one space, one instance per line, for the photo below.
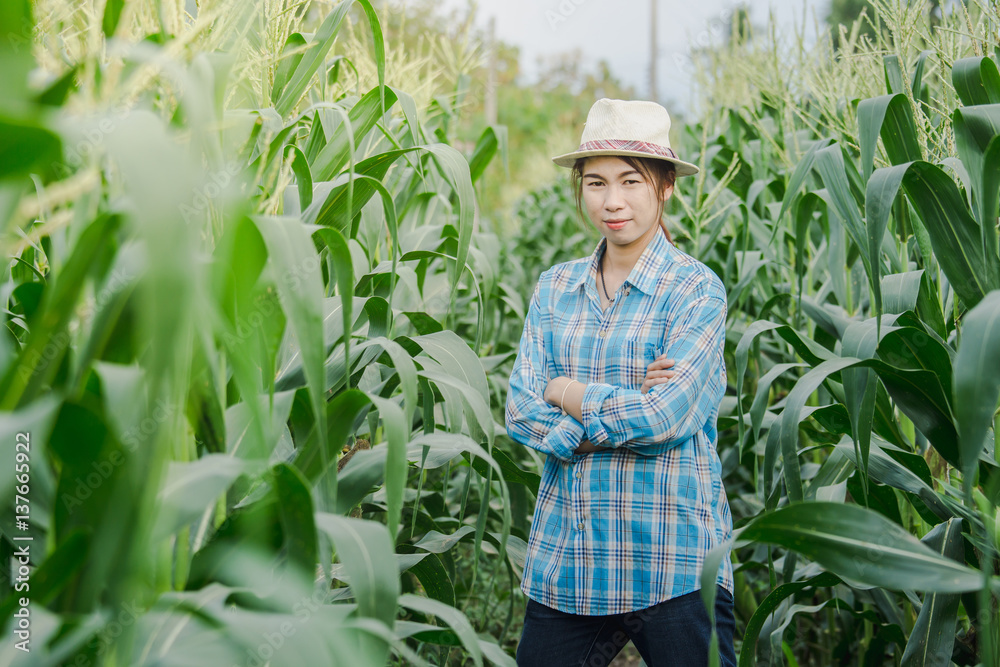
618 31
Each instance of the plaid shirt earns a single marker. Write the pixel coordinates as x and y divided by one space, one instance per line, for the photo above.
624 529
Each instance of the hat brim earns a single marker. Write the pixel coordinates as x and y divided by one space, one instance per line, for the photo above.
569 159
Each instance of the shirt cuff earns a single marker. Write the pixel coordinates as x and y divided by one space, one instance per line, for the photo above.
563 438
593 398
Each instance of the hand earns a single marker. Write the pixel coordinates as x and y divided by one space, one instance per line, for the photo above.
554 390
587 447
657 373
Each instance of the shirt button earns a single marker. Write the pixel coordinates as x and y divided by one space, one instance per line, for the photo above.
579 475
579 526
602 333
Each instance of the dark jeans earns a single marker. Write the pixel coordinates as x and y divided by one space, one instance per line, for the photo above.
674 632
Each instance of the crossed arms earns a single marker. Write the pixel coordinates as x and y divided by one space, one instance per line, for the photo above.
600 415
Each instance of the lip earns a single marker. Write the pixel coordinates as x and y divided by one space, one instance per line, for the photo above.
616 224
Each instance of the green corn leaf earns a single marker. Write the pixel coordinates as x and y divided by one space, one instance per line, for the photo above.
493 139
295 510
403 364
861 341
291 56
913 291
433 576
397 432
455 619
314 57
55 94
112 15
832 169
300 288
977 136
33 368
883 186
342 265
891 118
919 395
512 474
366 550
917 80
344 412
770 604
977 380
709 589
933 637
792 415
798 179
456 170
912 348
457 359
191 487
496 655
954 233
359 122
303 177
887 470
16 59
861 545
760 400
893 71
976 80
116 290
248 439
812 352
36 418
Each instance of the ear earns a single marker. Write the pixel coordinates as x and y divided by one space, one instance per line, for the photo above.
668 191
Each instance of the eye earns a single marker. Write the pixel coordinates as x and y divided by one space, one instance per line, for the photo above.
632 181
593 184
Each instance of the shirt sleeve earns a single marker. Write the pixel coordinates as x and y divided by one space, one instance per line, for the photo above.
530 419
672 412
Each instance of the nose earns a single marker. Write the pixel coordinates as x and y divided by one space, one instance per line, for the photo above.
613 200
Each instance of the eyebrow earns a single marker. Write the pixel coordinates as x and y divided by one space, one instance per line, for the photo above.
621 175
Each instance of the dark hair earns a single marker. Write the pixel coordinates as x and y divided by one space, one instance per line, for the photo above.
660 173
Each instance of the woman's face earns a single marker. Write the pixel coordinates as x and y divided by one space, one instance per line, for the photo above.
620 201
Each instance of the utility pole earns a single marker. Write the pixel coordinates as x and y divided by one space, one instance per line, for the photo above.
653 95
490 100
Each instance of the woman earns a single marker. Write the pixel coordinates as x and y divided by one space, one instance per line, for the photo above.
631 498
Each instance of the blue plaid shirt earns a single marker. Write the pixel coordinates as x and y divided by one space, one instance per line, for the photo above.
624 529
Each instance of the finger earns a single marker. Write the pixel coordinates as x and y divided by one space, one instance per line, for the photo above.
661 363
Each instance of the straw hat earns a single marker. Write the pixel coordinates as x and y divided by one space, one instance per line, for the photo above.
634 128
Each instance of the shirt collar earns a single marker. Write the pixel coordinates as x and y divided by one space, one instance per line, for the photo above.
644 274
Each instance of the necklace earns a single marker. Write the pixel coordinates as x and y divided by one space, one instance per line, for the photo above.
600 268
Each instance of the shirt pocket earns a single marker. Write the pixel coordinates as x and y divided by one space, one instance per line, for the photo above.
627 363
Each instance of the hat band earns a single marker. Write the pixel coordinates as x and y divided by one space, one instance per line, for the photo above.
623 145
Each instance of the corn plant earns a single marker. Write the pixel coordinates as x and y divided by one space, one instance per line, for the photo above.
242 330
858 238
